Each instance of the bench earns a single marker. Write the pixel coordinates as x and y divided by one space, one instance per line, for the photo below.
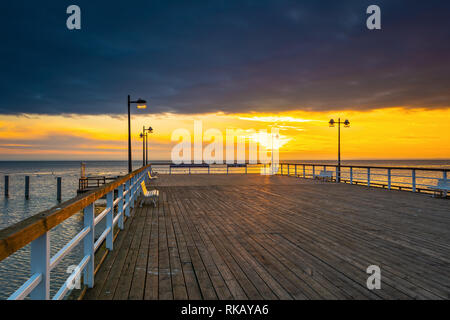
152 177
153 195
324 175
442 187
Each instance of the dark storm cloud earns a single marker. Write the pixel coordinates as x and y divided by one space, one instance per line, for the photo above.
231 56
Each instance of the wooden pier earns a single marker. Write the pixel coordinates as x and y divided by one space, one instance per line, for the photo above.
277 237
86 184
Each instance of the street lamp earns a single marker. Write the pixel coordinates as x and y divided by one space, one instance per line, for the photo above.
149 130
141 104
144 136
346 124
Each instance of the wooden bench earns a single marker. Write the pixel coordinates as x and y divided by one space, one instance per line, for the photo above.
153 195
442 187
324 175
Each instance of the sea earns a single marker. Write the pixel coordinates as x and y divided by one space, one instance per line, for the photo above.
15 269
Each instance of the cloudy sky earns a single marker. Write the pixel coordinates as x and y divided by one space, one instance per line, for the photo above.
232 59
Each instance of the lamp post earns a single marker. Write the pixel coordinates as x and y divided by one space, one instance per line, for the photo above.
140 105
346 124
149 130
144 137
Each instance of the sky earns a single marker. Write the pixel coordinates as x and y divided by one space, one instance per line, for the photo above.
231 64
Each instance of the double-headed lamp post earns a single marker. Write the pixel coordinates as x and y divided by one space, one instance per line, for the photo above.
346 124
144 136
140 105
149 130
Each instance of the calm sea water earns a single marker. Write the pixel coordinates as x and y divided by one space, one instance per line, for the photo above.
14 270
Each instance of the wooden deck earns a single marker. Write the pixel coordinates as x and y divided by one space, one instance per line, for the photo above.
257 237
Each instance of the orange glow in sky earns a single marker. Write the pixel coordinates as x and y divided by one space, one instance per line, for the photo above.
394 133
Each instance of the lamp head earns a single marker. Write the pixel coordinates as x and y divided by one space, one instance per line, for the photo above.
150 129
346 123
141 104
141 135
331 123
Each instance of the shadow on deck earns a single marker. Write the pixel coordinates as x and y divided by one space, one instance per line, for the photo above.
261 237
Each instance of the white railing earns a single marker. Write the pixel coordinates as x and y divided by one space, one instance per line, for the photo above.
402 178
37 231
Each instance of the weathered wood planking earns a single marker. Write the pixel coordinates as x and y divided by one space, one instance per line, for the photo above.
262 237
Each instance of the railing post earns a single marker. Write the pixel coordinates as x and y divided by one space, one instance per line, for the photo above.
227 168
6 186
245 168
128 197
140 178
58 189
295 169
88 244
368 177
170 170
27 187
289 171
338 174
132 189
282 173
413 178
189 170
120 207
351 175
109 219
313 171
209 169
389 179
304 171
40 263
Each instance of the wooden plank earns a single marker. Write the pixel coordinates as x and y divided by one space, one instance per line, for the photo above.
151 281
164 272
122 290
178 283
196 248
245 276
140 270
234 290
192 285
